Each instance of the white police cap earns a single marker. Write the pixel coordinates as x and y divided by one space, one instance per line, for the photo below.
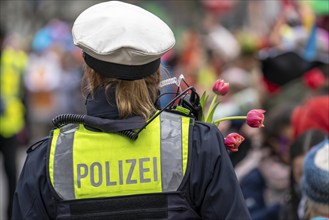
121 40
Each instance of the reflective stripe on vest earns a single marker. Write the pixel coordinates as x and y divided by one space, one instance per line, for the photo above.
87 164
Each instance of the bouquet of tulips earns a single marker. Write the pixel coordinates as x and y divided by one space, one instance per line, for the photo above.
254 117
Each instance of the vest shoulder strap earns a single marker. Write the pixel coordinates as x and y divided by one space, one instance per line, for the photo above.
37 144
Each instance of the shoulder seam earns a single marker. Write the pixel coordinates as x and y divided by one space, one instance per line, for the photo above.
36 144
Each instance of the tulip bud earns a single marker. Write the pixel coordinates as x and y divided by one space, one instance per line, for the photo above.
221 87
255 118
233 141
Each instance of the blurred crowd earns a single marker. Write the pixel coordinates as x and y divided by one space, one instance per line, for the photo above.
274 55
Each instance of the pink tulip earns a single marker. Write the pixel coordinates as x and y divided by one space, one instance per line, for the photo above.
221 87
233 141
255 118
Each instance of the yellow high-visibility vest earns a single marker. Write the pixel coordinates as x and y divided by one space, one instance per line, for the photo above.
86 164
13 63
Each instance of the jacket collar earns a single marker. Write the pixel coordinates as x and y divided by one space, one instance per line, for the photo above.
100 106
103 115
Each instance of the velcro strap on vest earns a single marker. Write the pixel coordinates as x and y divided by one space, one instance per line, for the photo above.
122 208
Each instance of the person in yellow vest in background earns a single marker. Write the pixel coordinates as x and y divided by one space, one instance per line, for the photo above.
12 110
126 159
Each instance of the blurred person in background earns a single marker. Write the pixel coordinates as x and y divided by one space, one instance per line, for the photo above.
315 182
310 115
12 109
265 181
292 64
310 123
53 77
312 112
294 207
177 168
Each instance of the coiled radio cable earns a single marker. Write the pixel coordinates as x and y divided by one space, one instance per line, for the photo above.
64 119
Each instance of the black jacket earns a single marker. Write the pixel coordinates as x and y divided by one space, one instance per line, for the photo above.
211 188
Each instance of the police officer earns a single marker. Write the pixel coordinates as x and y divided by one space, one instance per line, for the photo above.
95 167
12 110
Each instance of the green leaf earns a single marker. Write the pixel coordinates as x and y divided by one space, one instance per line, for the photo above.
211 113
211 107
203 101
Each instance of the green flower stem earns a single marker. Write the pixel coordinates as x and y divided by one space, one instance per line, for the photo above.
211 106
230 118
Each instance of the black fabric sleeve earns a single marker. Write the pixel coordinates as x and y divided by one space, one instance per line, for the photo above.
214 187
32 195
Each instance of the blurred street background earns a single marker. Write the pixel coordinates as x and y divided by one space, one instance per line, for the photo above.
274 54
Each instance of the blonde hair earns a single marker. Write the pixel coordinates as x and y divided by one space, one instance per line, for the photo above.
133 97
313 209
